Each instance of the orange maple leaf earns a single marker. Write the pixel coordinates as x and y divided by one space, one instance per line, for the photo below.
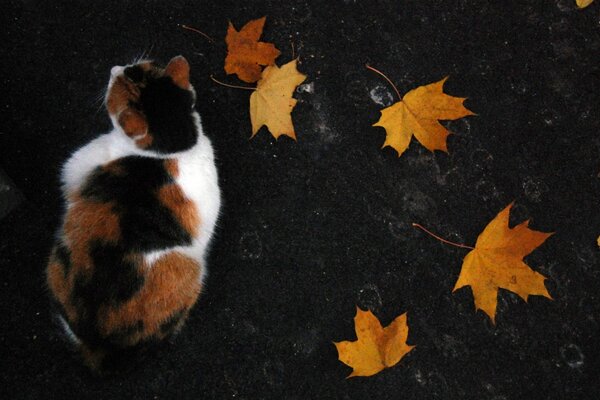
245 54
584 3
497 262
418 114
377 347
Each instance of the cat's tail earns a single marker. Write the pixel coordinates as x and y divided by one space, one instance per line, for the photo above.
92 357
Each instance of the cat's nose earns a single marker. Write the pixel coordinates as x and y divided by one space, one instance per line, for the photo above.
116 70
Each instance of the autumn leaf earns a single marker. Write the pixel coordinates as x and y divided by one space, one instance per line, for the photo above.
271 103
418 114
377 347
245 54
497 262
583 3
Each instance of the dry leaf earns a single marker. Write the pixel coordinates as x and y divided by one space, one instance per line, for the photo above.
377 347
417 114
583 3
245 54
271 103
497 262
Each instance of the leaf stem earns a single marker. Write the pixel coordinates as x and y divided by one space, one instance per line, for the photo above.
386 78
189 28
464 246
231 86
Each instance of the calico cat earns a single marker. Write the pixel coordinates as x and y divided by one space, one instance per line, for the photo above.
141 206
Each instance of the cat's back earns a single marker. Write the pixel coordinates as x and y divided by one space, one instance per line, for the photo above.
143 195
109 294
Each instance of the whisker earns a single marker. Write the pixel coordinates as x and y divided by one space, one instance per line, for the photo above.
99 101
144 55
148 52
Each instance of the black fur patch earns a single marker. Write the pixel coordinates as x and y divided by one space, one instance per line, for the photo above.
122 335
113 281
135 73
63 256
171 322
146 224
168 110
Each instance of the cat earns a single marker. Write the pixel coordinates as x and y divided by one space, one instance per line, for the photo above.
142 202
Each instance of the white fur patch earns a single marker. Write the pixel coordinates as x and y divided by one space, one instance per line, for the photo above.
199 183
68 331
98 152
153 256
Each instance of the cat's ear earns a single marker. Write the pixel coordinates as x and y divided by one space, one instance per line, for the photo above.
133 123
179 70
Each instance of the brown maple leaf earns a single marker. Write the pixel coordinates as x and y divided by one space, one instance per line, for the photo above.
245 54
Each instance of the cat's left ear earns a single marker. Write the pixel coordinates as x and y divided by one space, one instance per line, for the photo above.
179 70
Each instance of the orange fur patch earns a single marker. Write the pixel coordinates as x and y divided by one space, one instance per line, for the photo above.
179 70
133 123
114 167
171 284
121 93
86 221
57 282
60 286
172 167
182 208
146 66
145 141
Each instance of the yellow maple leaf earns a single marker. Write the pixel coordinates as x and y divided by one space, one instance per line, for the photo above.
272 103
417 114
583 3
245 54
377 347
497 262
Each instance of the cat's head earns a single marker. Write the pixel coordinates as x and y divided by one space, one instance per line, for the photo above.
154 106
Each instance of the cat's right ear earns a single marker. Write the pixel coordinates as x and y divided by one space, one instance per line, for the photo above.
179 70
133 123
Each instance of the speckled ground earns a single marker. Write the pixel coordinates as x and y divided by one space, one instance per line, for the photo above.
312 229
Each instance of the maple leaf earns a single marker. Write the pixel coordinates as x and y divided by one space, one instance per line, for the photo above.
377 347
271 103
583 3
497 262
417 114
245 54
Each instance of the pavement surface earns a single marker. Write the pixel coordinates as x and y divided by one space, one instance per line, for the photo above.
313 228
